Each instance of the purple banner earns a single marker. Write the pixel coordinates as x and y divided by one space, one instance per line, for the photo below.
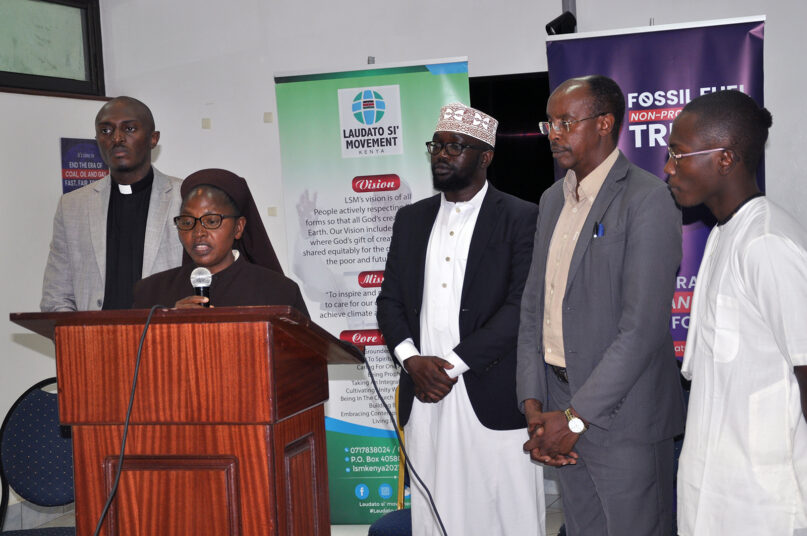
659 71
81 163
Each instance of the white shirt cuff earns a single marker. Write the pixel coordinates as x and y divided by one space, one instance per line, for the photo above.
405 350
459 365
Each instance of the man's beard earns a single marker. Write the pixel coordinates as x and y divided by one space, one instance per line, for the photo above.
453 183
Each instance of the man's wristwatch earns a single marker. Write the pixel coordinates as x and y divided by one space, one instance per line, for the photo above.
576 424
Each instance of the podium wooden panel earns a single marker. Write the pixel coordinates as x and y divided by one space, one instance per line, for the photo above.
227 432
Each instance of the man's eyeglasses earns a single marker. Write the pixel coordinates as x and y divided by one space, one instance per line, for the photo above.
675 157
208 221
546 127
452 149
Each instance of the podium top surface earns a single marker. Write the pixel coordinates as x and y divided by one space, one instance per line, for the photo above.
45 323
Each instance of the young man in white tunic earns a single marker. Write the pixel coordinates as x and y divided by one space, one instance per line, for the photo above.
743 468
448 309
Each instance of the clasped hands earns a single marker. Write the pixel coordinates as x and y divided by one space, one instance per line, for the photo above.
428 372
551 441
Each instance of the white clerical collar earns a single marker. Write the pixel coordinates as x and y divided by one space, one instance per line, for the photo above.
125 189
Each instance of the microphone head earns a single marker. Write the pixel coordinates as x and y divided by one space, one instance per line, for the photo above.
201 277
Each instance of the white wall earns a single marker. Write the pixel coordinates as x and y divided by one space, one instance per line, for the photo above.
30 178
190 59
199 60
202 61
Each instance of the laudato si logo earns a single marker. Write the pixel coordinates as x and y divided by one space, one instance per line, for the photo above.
370 121
368 107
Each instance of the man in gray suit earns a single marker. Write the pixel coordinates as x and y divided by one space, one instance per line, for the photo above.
109 234
597 377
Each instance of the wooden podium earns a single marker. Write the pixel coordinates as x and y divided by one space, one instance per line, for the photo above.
227 433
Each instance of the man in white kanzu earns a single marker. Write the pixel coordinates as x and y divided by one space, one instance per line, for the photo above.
743 468
449 310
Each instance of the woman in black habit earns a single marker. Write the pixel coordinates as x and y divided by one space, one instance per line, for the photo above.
220 228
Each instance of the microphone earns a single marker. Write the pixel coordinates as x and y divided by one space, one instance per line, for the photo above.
200 281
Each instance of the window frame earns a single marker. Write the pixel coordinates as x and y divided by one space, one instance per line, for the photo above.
93 86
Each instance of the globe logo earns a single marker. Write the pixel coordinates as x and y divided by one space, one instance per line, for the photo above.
368 107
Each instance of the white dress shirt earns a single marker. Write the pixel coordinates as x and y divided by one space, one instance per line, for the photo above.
446 257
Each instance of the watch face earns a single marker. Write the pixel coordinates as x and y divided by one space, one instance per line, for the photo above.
576 425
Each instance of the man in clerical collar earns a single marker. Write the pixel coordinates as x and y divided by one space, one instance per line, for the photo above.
109 234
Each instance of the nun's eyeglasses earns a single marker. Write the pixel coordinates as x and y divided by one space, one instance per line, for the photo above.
208 221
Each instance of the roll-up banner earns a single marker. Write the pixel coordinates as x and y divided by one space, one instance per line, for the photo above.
660 69
353 152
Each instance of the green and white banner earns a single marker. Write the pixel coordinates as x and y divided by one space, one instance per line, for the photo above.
353 153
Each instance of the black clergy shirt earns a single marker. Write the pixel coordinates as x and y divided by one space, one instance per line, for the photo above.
125 238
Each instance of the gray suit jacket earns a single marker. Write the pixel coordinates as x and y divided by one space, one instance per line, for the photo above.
74 274
616 310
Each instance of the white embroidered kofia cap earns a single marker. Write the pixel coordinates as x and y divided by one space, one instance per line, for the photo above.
456 117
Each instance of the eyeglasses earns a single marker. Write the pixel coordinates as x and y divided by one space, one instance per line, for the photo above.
208 221
675 157
452 149
546 126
